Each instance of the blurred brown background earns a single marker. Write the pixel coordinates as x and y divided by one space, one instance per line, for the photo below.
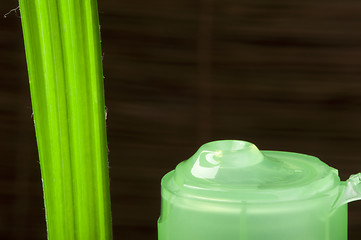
285 75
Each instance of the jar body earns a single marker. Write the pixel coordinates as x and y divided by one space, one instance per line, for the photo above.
195 219
229 190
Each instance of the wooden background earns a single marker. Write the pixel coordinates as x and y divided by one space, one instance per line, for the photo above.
285 75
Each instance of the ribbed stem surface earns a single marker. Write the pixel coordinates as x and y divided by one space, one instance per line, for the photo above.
62 42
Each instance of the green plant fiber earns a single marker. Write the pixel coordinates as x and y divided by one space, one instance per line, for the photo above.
62 43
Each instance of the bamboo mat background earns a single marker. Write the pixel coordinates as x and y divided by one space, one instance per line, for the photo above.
285 75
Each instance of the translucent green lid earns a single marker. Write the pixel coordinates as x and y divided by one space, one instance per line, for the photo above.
232 170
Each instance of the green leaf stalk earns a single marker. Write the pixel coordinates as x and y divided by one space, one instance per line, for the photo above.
62 43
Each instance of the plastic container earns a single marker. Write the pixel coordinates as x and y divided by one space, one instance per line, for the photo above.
229 190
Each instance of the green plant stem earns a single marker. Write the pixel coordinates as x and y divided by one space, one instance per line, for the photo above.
62 43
